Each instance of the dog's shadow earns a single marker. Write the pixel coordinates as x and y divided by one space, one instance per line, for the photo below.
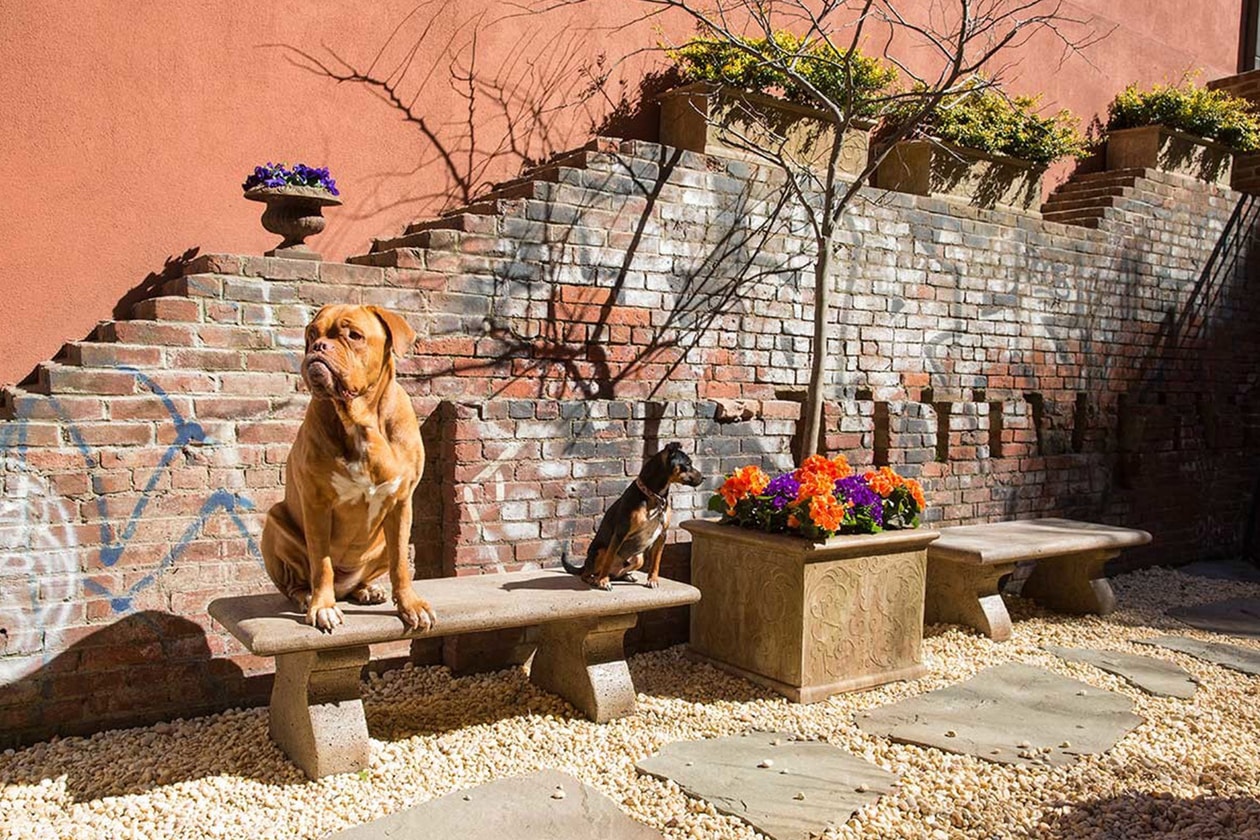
567 583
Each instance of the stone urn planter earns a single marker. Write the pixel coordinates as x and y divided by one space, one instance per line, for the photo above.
294 213
1158 147
942 170
704 117
808 619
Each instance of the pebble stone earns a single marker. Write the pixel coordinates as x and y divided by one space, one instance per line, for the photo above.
1191 771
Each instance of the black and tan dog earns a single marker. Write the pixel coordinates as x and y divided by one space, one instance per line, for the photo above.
636 523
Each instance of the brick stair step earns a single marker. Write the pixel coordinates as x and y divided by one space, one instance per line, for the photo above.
167 308
1059 204
94 354
1092 192
436 238
1076 217
55 378
465 220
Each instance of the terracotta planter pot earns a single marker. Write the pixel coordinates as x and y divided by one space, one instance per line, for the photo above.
293 213
808 619
710 118
1157 147
942 170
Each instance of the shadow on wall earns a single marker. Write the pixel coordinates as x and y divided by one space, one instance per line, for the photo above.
151 286
144 668
512 111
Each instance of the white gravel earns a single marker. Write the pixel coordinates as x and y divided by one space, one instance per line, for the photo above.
1192 770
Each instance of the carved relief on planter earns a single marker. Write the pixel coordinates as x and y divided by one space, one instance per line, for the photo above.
942 170
711 118
807 619
1157 147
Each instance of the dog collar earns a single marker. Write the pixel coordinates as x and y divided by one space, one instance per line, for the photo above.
655 498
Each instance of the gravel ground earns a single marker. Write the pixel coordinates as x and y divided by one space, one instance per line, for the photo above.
1192 770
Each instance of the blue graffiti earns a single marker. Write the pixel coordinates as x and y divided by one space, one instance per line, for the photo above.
114 542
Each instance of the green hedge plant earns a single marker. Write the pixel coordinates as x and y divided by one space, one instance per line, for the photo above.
982 118
857 82
1210 114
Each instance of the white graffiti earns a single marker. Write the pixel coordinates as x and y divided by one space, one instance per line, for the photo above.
39 567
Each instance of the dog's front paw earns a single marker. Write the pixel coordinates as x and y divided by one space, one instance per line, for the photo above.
324 616
369 593
653 582
415 612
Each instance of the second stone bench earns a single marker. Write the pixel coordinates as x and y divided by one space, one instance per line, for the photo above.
967 564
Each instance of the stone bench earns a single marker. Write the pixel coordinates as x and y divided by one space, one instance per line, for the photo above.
316 713
967 563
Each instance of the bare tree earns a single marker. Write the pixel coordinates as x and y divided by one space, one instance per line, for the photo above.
956 45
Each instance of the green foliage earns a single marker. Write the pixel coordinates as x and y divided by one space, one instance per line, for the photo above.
1211 114
855 83
982 118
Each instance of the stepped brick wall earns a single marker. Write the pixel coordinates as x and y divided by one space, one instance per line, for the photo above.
617 298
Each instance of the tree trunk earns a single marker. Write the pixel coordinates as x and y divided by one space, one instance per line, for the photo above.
815 395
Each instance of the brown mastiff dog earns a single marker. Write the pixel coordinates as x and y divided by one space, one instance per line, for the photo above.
346 515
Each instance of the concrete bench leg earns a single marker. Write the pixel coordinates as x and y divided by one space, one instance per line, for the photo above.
965 593
1074 584
584 662
316 710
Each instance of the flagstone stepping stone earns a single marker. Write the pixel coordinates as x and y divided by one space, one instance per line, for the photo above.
1233 657
786 788
1010 714
1154 676
541 806
1236 617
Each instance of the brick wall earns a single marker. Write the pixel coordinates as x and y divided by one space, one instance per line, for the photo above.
621 297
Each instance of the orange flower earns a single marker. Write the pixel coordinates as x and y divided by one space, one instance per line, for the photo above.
815 484
826 512
916 492
793 522
884 481
833 469
743 482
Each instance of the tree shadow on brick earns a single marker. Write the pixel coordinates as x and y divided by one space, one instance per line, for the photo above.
591 333
146 668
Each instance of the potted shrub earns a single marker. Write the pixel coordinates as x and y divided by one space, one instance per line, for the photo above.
1184 129
982 147
734 102
295 199
813 581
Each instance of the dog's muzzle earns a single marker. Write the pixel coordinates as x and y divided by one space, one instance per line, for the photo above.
692 478
319 376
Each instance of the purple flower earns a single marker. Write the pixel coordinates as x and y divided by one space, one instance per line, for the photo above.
278 175
782 490
858 493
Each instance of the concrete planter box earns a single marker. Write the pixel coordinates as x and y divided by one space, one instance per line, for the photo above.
808 619
709 118
1157 147
941 170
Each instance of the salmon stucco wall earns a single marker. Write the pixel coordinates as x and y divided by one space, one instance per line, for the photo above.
126 130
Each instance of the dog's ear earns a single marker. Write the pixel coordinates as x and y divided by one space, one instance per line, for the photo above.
401 335
673 446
